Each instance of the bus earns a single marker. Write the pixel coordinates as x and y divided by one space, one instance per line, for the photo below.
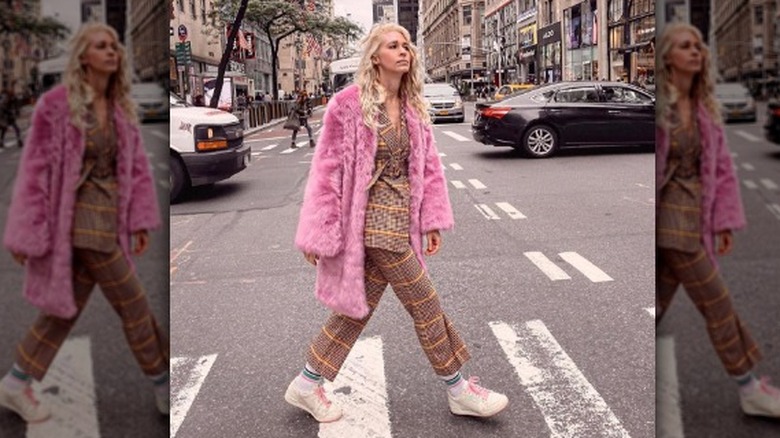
342 73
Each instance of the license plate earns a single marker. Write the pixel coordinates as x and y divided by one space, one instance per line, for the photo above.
444 113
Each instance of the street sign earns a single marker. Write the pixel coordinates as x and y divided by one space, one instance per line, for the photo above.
182 33
183 53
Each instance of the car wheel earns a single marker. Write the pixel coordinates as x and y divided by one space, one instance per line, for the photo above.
540 141
178 178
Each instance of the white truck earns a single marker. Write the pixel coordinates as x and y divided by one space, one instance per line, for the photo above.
206 146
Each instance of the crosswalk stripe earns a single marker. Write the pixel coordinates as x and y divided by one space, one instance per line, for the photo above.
456 166
775 209
288 151
750 184
746 135
458 184
748 166
571 406
187 377
269 147
442 154
587 268
73 403
667 398
487 212
510 210
455 135
769 184
255 154
549 268
361 390
477 184
651 311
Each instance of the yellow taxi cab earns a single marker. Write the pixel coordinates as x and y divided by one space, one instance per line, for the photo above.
508 89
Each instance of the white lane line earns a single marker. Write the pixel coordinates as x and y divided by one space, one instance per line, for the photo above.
748 166
304 162
458 184
775 209
456 136
477 184
769 184
456 166
571 406
442 154
510 210
187 377
587 268
667 397
269 147
256 154
159 134
291 150
69 389
361 390
549 268
651 311
746 135
750 184
487 212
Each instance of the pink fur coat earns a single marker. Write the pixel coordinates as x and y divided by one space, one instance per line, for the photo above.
721 202
40 217
332 217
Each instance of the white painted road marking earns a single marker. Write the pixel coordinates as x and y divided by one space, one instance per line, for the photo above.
748 166
746 135
442 154
361 390
667 397
458 184
487 212
291 150
255 154
456 166
587 268
511 211
750 184
769 184
269 147
775 209
187 376
651 311
549 268
456 136
570 405
477 184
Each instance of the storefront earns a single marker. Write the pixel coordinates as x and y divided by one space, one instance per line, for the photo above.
549 54
526 54
581 42
632 41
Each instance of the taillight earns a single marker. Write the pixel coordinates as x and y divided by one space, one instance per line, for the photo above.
495 112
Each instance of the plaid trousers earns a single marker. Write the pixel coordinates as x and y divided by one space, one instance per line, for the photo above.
121 286
440 341
702 281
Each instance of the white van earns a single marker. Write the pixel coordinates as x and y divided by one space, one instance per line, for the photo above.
207 145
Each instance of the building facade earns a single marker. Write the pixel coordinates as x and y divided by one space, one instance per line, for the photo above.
408 17
746 40
631 40
384 11
148 32
500 40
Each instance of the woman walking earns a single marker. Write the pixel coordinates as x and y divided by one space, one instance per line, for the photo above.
302 109
9 111
375 187
699 207
83 202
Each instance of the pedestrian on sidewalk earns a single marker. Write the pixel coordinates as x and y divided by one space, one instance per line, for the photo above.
699 207
302 109
9 112
83 202
375 187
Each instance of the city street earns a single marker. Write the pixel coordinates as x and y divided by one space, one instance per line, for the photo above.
548 276
700 398
95 387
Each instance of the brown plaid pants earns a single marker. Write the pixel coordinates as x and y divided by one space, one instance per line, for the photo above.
440 341
123 290
702 281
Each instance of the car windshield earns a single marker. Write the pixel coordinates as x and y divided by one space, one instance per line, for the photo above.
177 101
731 90
439 91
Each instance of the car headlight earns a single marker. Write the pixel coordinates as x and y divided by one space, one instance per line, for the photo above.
458 103
210 138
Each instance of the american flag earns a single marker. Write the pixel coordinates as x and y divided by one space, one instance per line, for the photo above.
313 46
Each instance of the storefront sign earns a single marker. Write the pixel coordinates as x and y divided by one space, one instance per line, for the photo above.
527 36
550 34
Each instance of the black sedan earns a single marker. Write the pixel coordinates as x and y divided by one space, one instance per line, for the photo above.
772 126
568 114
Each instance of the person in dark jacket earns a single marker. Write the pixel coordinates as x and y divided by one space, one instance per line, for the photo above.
303 109
9 111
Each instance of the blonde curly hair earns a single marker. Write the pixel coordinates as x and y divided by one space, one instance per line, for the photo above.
702 88
80 94
372 93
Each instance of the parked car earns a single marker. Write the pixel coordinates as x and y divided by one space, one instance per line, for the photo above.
772 125
444 102
568 114
736 102
509 89
151 100
207 145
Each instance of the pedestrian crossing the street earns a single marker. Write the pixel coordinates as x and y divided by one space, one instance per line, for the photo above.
561 394
575 260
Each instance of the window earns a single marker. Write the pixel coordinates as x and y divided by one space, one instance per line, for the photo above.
759 15
625 95
467 15
577 95
181 5
193 12
203 11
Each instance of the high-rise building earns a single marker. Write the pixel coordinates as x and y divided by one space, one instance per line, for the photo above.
408 11
385 11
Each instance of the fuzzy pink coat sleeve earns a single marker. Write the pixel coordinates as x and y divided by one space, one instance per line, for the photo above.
27 228
727 212
435 211
320 223
143 212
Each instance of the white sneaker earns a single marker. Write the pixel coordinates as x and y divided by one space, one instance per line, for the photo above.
315 403
476 401
762 401
25 404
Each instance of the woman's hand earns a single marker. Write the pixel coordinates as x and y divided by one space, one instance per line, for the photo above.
20 258
725 242
141 242
311 258
434 242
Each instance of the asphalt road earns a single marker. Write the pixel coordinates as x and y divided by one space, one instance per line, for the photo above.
708 402
115 399
571 344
